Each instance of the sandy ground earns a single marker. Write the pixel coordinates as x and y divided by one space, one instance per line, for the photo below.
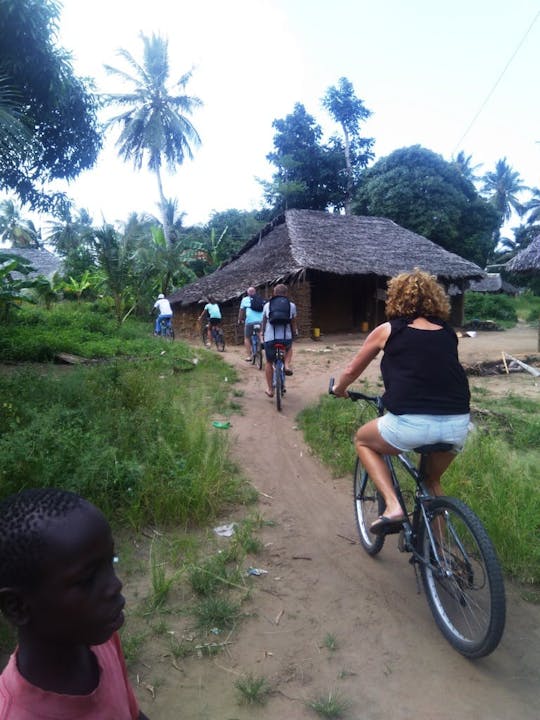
390 659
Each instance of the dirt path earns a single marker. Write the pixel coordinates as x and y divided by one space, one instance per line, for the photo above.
390 659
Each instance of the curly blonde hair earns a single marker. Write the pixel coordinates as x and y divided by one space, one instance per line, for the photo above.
416 294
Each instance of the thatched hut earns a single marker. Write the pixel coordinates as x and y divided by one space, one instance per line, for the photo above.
44 262
493 284
336 266
527 262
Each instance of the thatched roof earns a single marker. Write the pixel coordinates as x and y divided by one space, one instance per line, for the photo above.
302 240
493 283
527 260
43 261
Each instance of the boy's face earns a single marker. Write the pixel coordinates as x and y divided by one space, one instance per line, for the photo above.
78 600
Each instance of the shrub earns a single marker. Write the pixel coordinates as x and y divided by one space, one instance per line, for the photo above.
483 306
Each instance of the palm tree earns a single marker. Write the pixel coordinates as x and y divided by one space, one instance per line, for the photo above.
464 164
15 229
154 126
502 187
532 206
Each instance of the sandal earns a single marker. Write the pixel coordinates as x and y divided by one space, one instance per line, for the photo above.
269 394
386 526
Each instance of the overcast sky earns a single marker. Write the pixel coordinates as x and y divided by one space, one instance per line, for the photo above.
450 76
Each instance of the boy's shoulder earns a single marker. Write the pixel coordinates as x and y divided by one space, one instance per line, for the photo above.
113 699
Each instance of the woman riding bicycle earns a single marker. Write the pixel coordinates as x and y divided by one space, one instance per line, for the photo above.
426 389
213 313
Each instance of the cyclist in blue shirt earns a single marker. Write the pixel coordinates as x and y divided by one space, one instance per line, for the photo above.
249 315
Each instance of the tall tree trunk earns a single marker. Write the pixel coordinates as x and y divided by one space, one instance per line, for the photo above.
163 207
348 192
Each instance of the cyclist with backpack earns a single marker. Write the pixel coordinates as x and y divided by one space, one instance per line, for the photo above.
251 314
278 325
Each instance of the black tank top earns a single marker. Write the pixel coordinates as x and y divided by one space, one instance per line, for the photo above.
421 371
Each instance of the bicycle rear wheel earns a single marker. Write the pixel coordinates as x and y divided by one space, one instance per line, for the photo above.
278 383
368 505
462 578
219 340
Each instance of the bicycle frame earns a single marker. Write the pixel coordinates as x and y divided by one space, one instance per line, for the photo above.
409 533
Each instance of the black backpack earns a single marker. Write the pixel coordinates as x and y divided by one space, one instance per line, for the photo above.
257 303
279 312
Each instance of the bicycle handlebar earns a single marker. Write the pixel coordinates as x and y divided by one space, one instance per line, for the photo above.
354 395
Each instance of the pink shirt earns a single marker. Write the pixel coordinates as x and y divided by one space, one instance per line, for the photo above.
113 699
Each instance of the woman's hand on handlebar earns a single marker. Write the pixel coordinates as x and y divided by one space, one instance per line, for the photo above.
332 390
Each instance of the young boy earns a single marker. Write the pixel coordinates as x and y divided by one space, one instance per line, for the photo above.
59 589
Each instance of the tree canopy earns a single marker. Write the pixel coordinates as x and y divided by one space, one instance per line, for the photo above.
349 111
50 112
308 171
314 174
420 191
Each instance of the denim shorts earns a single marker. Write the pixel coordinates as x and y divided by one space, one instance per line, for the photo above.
406 432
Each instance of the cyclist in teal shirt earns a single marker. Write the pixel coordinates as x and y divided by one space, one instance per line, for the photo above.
212 311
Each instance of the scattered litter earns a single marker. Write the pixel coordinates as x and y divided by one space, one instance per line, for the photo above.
162 352
508 364
301 557
529 368
215 631
225 530
221 425
256 571
279 616
195 361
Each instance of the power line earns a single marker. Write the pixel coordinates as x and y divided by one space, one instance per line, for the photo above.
482 106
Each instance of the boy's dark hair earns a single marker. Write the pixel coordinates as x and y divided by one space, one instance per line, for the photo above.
23 519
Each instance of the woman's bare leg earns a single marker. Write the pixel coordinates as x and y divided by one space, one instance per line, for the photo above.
370 447
436 464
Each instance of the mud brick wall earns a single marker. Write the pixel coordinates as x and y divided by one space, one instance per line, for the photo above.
185 318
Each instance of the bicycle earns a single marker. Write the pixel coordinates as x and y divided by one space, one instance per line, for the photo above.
278 377
216 333
459 568
256 347
166 329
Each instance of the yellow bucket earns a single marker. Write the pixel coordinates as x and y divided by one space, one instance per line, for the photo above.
316 333
364 327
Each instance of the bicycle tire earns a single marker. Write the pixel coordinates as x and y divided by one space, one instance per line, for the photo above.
278 386
259 359
219 340
465 587
368 505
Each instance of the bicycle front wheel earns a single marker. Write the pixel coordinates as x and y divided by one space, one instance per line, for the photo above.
462 578
368 505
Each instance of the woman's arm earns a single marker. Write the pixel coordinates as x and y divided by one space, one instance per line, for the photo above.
375 341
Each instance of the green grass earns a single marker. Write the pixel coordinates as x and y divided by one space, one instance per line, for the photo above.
216 612
252 690
132 436
496 474
330 706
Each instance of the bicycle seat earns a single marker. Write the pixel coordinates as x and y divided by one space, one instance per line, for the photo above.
435 447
